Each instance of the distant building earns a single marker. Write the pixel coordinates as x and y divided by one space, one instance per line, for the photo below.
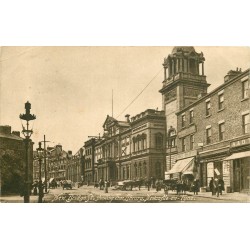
60 165
12 144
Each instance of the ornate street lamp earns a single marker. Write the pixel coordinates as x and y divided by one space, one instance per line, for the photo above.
27 132
40 184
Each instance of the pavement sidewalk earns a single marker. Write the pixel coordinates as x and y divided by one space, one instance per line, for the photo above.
236 196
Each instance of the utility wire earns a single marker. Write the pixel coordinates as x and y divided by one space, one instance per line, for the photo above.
140 93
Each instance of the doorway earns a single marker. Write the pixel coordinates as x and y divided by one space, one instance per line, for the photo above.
236 175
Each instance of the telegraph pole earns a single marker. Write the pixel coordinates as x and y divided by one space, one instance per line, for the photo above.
45 166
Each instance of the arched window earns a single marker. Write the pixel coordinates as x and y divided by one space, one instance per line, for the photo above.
124 173
136 170
145 168
128 173
139 171
159 140
171 137
143 138
134 144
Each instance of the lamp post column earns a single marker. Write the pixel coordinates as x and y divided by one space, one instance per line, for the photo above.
40 185
27 172
27 133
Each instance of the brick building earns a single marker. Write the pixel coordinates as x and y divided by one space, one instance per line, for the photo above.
60 165
13 145
209 133
216 131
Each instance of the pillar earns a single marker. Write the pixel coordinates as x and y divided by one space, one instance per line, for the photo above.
173 72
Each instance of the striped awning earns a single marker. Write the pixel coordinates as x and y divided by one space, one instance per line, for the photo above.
181 165
238 156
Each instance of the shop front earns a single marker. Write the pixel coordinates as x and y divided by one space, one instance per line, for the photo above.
239 165
183 167
211 166
214 170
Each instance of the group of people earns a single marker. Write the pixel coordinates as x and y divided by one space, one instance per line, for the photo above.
216 186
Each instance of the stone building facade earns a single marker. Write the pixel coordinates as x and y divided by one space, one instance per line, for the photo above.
60 165
131 149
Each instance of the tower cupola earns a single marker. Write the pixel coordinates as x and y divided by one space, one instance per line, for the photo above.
183 59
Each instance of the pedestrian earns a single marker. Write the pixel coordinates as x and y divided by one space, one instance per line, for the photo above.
101 184
212 186
106 186
220 186
178 187
148 184
166 189
216 183
157 185
184 186
35 190
195 186
152 182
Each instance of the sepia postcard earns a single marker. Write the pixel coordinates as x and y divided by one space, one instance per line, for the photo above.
125 124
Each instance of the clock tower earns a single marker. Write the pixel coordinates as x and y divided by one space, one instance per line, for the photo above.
184 81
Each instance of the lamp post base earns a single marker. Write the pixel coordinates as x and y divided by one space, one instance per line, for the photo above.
40 193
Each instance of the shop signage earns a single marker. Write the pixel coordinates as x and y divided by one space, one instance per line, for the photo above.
240 142
217 171
226 173
210 169
187 154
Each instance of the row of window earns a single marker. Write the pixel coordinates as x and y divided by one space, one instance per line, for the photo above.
245 94
139 145
245 130
88 151
184 143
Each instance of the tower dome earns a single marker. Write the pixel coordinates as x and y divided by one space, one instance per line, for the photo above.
187 49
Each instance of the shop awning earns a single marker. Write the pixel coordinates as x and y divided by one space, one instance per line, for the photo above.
238 155
189 169
181 166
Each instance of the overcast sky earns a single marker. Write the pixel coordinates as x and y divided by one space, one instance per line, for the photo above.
70 88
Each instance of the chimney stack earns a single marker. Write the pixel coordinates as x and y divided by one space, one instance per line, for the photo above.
17 133
127 116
